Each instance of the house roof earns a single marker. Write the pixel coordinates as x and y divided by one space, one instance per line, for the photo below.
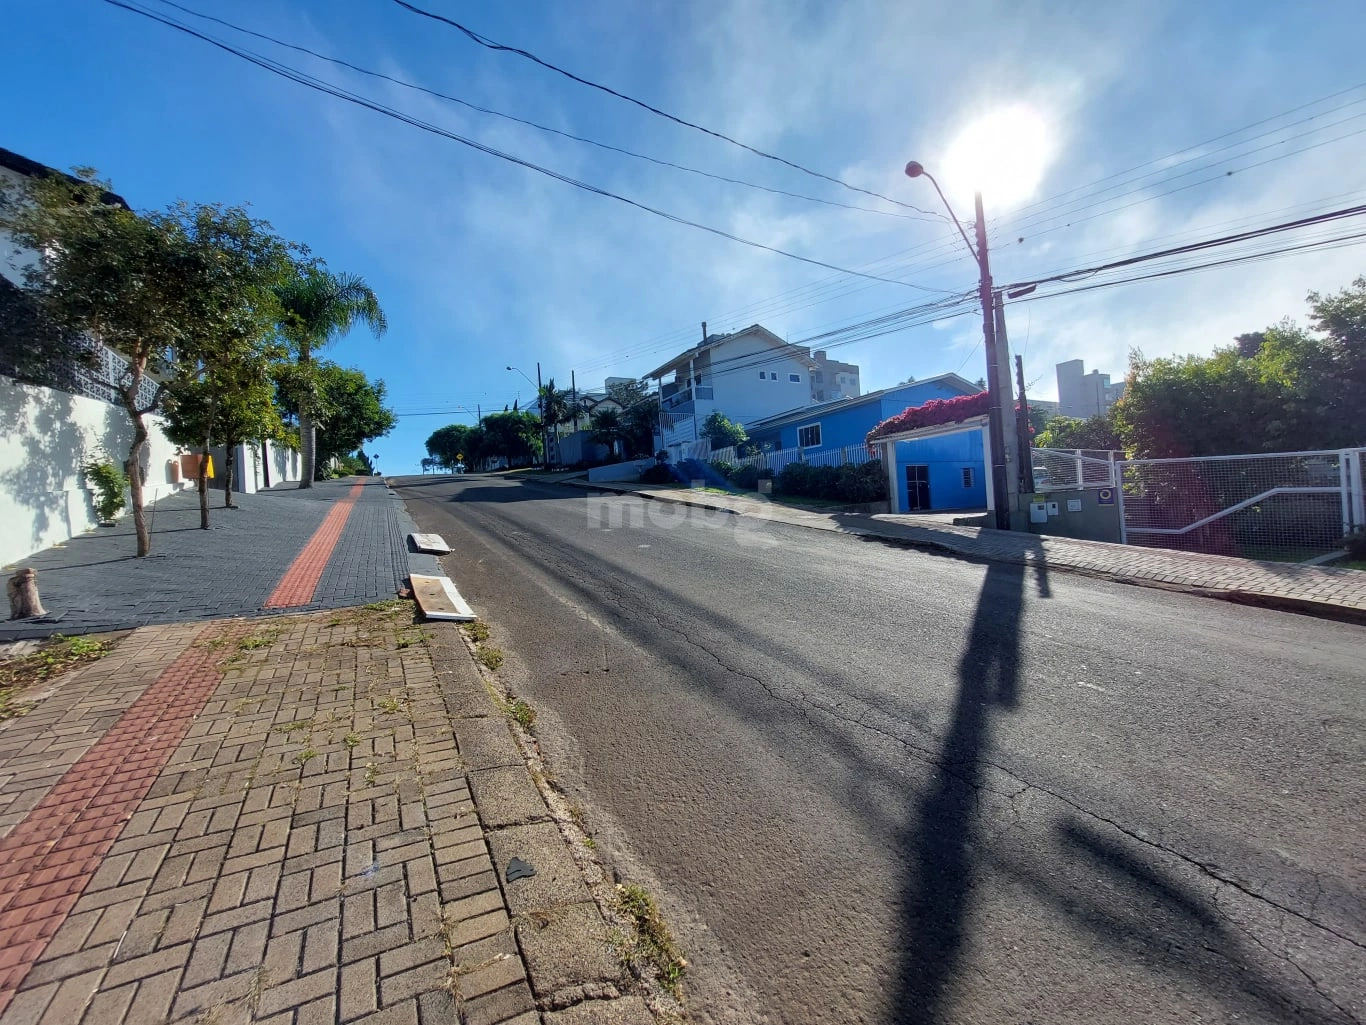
800 352
29 168
838 405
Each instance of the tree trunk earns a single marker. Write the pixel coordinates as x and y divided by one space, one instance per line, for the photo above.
229 452
307 430
202 481
129 396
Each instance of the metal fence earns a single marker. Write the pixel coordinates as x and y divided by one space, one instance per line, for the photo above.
1065 468
780 458
1282 506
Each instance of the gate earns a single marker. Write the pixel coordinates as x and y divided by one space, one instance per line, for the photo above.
1281 506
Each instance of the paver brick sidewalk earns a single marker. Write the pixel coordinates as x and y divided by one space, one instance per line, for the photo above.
287 821
240 566
1313 588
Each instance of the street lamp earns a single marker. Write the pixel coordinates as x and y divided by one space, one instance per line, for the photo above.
540 413
995 415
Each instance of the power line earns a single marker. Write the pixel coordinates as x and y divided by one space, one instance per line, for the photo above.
1243 236
319 85
494 45
532 124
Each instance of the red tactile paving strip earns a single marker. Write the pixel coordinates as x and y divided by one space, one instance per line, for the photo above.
49 857
300 581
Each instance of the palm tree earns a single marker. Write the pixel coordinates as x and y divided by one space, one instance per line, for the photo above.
319 306
607 427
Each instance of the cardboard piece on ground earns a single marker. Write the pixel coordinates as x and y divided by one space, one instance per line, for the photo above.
438 599
430 543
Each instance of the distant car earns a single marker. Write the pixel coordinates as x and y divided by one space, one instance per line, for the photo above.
459 467
1040 478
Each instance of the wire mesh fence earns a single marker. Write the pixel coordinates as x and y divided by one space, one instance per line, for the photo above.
1283 507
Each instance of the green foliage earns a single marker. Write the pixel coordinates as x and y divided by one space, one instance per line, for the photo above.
316 306
607 427
852 483
184 295
639 416
448 444
110 482
723 432
356 464
556 404
1097 432
514 436
349 408
1279 390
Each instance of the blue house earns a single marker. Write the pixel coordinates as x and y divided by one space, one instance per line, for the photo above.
848 421
941 472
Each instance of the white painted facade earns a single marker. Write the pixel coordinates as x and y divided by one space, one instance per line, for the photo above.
46 436
748 375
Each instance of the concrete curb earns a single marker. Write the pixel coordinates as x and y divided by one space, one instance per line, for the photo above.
1259 599
558 920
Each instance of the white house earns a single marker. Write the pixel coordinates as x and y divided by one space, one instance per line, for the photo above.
747 375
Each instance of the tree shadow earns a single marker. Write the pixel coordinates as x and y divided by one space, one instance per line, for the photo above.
43 424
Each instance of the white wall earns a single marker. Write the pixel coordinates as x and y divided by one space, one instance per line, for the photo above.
45 437
738 390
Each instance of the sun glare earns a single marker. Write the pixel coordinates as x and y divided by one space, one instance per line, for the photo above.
1003 154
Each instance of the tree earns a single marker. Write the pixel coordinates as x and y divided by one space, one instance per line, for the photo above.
1280 390
222 389
639 415
166 291
607 427
556 404
723 432
514 435
349 408
1097 432
450 444
318 306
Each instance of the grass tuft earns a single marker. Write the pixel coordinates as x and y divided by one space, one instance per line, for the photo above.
523 713
478 631
491 658
654 943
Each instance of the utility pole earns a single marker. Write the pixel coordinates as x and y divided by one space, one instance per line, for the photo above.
995 423
1006 375
540 415
1022 429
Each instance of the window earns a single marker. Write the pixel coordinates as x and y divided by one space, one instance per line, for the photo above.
762 374
795 378
809 436
967 476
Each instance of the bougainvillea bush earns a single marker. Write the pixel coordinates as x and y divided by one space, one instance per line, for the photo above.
932 414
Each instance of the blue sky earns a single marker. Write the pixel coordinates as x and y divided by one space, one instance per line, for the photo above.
480 263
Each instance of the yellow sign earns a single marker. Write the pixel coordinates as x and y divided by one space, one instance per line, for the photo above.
460 457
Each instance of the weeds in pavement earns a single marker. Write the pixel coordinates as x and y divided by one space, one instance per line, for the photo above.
490 658
293 727
305 756
261 640
351 739
590 843
389 705
371 773
389 605
523 713
407 640
653 941
58 655
478 631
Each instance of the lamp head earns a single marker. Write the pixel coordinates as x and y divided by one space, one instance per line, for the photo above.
915 169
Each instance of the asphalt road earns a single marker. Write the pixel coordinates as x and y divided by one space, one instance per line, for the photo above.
878 785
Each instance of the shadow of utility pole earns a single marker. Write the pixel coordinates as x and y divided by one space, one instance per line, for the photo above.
941 831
